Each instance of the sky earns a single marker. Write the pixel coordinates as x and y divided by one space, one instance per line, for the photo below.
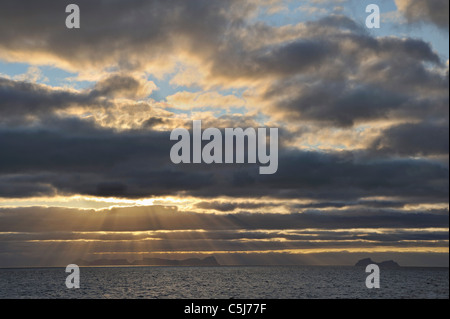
86 116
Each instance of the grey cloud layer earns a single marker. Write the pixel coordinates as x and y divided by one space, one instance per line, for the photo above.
364 79
117 33
434 11
81 158
154 218
421 139
24 101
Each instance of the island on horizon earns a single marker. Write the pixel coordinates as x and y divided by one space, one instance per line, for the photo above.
384 264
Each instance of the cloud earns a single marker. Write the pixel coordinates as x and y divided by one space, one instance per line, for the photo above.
161 222
330 70
230 206
29 232
119 101
124 86
363 124
114 34
189 100
430 11
287 59
86 159
22 98
361 80
112 140
81 158
422 139
33 74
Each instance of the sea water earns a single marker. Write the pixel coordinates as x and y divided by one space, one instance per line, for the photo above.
240 282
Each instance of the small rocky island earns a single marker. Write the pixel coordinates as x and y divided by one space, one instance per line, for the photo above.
208 261
384 264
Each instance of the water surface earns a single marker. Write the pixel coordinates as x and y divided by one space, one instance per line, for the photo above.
272 282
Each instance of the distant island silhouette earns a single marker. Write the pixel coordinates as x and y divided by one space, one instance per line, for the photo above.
384 264
208 261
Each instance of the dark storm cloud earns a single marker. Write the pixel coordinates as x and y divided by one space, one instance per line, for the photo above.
117 33
124 35
21 100
430 11
344 104
420 139
344 175
348 89
285 60
333 46
81 158
341 104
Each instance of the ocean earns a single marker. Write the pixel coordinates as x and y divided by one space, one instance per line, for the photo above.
240 282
